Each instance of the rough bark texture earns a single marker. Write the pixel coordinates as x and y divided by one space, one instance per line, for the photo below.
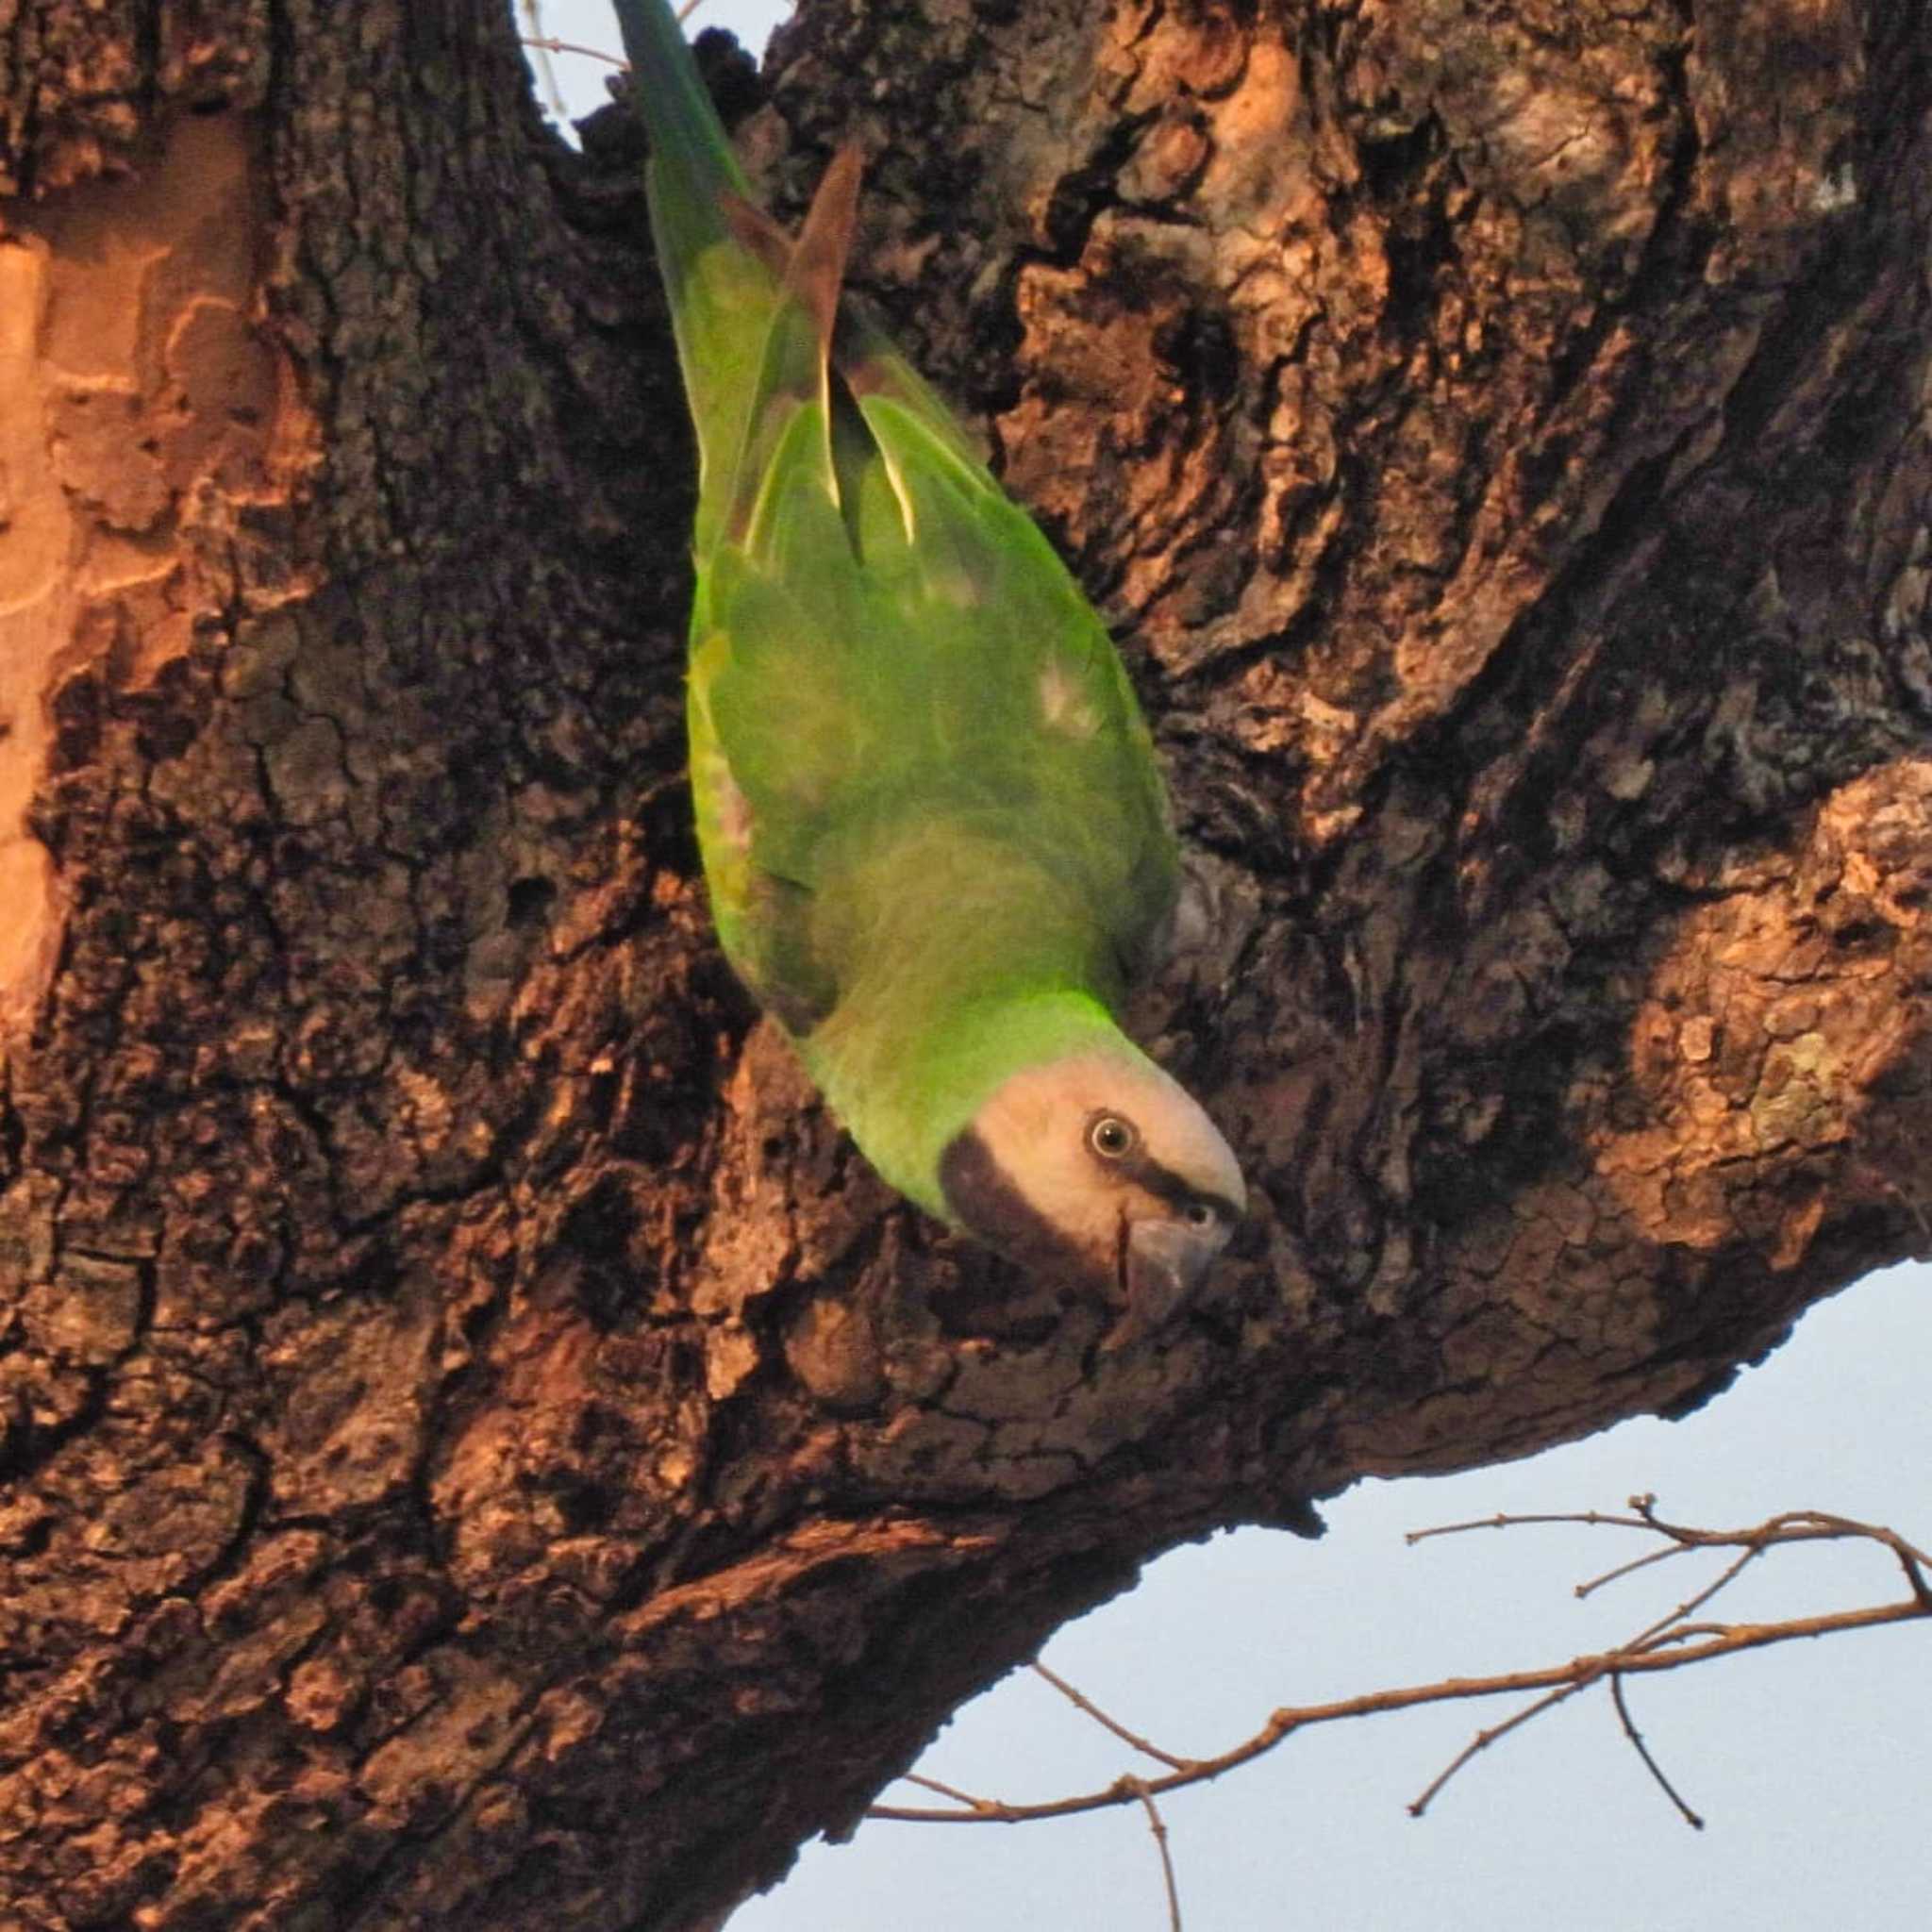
480 1451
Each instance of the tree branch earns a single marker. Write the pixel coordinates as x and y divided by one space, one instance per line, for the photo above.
1670 1642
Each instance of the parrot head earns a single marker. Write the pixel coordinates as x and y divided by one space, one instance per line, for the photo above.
1099 1164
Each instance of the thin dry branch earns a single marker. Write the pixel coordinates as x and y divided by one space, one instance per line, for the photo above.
548 43
1494 1732
1642 1750
546 75
1086 1705
932 1784
1158 1825
1675 1642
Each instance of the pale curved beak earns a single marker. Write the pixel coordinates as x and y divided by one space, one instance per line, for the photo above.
1166 1262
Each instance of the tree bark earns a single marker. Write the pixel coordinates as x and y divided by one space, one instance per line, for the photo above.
480 1449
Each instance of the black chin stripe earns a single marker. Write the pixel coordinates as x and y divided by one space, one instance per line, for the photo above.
1165 1185
988 1206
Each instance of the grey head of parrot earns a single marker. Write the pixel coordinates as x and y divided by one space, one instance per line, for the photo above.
1102 1167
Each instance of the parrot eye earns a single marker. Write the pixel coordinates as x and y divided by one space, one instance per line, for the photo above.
1112 1138
1199 1214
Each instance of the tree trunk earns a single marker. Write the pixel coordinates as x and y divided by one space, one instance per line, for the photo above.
480 1449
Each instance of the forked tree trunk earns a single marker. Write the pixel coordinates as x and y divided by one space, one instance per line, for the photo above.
480 1450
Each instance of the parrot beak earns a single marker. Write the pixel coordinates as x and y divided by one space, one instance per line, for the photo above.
1164 1263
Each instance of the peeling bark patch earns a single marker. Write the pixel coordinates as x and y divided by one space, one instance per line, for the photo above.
142 412
1770 1026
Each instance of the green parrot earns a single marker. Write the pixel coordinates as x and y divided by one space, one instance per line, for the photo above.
935 837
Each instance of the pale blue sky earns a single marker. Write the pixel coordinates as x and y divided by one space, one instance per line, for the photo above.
1812 1765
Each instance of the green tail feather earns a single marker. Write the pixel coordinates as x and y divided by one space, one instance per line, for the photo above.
720 290
686 133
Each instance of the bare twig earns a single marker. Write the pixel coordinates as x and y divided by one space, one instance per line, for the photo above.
1724 1578
1484 1739
546 75
1575 1674
1642 1750
1589 1585
1675 1641
1593 1518
1677 1626
548 43
985 1808
1158 1825
544 44
1082 1703
1909 1560
1793 1526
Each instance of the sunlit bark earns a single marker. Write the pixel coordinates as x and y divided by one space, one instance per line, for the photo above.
479 1448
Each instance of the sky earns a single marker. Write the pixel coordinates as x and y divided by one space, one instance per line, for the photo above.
1811 1764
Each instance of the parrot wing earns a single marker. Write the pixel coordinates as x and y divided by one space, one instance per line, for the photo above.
891 642
881 640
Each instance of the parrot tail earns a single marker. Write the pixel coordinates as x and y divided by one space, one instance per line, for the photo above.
816 271
797 368
760 324
687 140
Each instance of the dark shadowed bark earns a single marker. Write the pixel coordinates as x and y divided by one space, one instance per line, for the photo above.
480 1449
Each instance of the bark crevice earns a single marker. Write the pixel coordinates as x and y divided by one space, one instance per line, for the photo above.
476 1443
